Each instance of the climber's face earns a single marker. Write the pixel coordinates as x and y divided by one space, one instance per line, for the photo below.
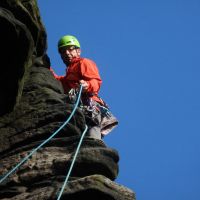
68 53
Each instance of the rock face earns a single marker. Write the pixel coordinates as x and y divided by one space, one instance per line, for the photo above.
32 107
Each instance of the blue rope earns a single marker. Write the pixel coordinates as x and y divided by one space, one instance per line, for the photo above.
47 140
72 164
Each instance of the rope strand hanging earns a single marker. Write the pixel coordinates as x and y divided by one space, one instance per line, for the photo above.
47 140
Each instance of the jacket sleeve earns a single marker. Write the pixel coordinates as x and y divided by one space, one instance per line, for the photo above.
90 74
60 78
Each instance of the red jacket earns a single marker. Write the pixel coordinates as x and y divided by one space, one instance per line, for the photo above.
81 69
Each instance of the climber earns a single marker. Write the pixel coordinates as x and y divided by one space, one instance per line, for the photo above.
84 71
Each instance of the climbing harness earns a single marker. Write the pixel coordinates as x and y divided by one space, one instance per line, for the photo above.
47 140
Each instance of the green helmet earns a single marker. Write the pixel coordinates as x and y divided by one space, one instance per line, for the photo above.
68 40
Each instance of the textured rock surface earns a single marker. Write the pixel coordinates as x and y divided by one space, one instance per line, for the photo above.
32 106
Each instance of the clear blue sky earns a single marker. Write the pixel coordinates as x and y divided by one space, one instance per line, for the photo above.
148 56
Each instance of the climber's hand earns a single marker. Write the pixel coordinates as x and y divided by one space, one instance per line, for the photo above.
84 84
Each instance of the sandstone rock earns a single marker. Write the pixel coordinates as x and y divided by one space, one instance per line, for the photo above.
33 106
